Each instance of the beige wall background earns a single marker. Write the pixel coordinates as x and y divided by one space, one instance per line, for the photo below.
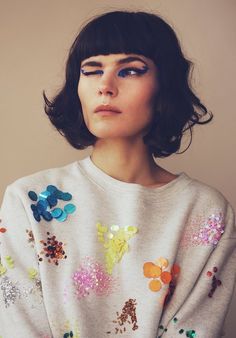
35 37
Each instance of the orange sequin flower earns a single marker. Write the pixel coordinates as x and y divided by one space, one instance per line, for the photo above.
158 273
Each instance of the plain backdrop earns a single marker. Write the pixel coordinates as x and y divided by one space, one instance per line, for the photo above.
35 37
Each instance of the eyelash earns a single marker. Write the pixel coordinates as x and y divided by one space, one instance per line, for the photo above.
137 70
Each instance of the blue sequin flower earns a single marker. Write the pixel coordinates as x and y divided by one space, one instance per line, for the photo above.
46 202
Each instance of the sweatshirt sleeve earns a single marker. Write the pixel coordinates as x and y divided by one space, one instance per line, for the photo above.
201 312
22 311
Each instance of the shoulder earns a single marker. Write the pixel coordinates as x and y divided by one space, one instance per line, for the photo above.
208 215
209 201
206 194
37 194
42 178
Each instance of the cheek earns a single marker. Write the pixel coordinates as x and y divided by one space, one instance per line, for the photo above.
83 92
147 90
143 98
80 91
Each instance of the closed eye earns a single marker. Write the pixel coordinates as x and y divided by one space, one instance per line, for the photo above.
132 71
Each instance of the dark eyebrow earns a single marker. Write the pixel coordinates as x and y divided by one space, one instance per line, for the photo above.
118 62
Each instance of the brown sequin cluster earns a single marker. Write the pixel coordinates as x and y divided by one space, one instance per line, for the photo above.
30 236
127 316
53 250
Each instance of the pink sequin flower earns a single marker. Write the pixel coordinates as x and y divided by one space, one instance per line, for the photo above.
211 231
92 277
204 232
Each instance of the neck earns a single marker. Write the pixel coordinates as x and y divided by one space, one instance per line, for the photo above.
128 162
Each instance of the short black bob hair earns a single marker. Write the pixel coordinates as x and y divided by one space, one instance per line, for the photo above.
177 108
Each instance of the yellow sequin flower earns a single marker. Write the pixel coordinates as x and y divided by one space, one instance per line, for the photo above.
115 242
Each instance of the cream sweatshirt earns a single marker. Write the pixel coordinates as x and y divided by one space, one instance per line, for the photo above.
88 256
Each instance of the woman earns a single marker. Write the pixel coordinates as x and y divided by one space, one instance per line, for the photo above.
114 245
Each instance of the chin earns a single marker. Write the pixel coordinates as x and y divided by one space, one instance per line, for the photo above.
105 132
108 132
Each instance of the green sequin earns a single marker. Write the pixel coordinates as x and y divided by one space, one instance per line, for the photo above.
191 334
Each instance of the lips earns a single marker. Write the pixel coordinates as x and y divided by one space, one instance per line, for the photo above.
107 108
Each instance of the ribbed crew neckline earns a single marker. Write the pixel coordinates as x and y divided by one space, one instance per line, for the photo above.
105 181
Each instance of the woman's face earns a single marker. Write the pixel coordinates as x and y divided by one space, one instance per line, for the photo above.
129 85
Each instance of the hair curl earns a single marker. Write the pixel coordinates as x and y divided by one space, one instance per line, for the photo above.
177 108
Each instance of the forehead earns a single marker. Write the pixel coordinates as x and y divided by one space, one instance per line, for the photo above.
119 58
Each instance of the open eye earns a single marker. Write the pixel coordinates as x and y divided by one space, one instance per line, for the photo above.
129 71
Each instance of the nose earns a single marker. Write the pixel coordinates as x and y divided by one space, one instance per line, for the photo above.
107 87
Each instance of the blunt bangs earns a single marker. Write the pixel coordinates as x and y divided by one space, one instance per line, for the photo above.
113 34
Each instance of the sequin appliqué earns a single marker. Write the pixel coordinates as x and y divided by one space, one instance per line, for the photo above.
127 318
9 263
215 281
115 242
13 290
175 271
188 333
71 330
158 273
92 277
30 238
10 291
2 229
204 231
46 202
53 250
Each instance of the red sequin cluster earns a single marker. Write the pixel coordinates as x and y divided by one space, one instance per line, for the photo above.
175 271
2 230
215 282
